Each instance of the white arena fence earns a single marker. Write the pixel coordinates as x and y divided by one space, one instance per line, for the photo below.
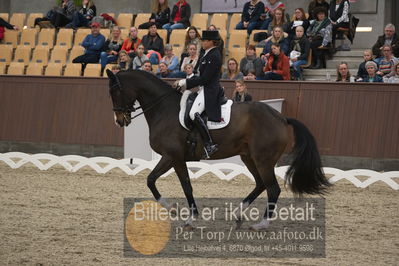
224 171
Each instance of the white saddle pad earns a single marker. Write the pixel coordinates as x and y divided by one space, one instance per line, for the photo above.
226 112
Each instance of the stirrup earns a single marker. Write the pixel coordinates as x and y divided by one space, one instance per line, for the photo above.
209 150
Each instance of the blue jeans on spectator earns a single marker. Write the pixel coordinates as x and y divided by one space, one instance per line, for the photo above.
265 24
174 26
297 67
251 26
78 20
273 76
106 59
154 59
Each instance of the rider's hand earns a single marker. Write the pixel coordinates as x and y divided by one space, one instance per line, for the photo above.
180 85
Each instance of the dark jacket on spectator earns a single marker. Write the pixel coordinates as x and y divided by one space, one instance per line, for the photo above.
284 46
304 46
185 14
69 9
255 15
161 18
313 5
381 41
88 12
256 64
377 78
238 97
336 14
291 29
151 43
362 72
112 46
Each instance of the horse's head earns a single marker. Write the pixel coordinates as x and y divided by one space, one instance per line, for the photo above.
122 100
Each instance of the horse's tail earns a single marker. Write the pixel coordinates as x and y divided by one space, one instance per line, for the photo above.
305 174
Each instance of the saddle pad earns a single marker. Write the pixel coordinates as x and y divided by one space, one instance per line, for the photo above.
226 112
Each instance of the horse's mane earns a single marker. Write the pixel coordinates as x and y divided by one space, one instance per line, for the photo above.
148 76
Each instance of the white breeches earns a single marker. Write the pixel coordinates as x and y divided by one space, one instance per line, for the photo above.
199 104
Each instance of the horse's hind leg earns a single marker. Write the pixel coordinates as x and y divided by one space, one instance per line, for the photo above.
259 186
162 167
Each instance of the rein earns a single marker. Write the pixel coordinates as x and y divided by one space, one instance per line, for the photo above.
150 105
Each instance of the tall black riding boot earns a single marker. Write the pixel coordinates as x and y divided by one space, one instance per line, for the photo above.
209 146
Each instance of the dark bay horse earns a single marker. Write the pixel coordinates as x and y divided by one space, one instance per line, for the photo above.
256 132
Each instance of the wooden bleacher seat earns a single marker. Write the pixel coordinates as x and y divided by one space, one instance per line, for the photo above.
177 38
141 18
46 37
53 69
234 20
309 63
34 69
80 35
64 37
219 20
11 37
125 20
5 54
59 55
2 69
22 54
200 21
92 70
75 52
124 33
41 55
31 19
141 33
28 37
238 38
223 35
163 34
104 32
236 53
16 68
18 19
72 70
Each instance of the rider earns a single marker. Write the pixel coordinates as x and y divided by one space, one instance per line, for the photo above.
211 93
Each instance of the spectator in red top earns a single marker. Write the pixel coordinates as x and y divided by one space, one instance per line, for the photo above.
131 43
278 65
180 18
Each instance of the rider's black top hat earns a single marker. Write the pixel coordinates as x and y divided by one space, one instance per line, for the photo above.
210 35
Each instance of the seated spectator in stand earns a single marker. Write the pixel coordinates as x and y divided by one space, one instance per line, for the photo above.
112 47
299 20
192 57
319 33
240 93
279 20
115 69
59 16
314 5
93 44
250 61
251 75
124 61
189 70
180 18
171 61
270 8
343 74
277 37
299 52
386 64
372 76
5 24
362 72
192 37
163 71
153 45
83 17
140 57
339 16
160 14
395 75
232 71
389 38
250 16
278 65
147 66
131 43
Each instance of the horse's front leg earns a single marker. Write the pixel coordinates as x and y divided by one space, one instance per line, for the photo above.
182 173
162 167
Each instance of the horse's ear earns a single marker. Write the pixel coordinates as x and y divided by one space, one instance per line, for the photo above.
110 74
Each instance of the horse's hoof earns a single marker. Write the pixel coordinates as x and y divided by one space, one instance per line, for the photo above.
264 224
188 228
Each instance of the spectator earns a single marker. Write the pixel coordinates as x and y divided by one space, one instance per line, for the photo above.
343 74
372 76
250 17
112 47
362 72
131 43
299 52
277 37
319 33
279 20
180 18
240 93
124 61
140 57
163 71
192 57
93 44
339 16
83 17
147 66
395 75
251 75
192 37
314 5
278 65
58 16
390 38
232 71
115 69
386 64
299 20
189 70
171 61
250 61
5 24
153 44
270 8
160 14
